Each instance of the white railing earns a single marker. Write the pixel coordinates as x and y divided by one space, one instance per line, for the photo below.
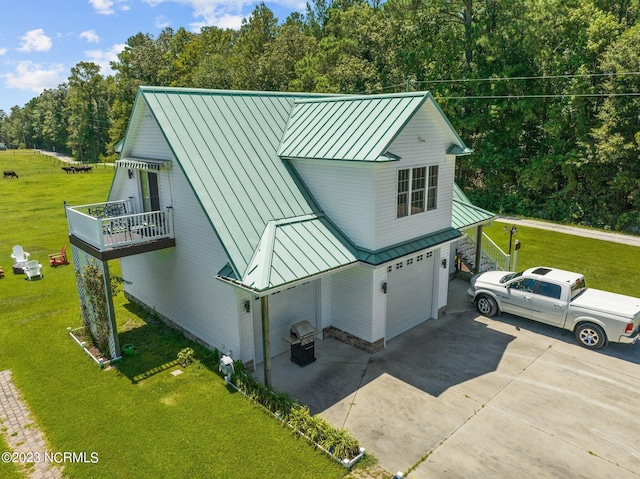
491 252
112 224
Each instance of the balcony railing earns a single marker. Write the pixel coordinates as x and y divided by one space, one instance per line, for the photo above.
114 224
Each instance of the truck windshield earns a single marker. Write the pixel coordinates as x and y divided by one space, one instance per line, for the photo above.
578 287
509 277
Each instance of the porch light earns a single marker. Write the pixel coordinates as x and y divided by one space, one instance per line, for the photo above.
444 263
247 306
130 173
384 287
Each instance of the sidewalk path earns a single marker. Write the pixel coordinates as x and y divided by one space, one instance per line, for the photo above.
573 230
22 434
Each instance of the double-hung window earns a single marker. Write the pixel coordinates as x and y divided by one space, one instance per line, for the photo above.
432 191
416 190
403 192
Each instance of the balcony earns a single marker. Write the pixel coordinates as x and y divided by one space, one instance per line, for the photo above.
113 230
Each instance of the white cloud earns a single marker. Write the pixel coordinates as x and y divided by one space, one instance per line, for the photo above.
104 57
106 7
35 40
162 22
34 77
3 51
224 13
91 36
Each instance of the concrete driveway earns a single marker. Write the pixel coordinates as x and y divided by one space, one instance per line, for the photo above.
466 396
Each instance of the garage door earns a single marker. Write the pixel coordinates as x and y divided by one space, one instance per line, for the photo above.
409 293
285 308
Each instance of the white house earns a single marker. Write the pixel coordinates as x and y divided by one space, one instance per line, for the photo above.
235 213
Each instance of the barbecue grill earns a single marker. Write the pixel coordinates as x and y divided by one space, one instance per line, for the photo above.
302 339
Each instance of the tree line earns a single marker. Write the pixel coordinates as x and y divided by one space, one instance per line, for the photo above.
546 92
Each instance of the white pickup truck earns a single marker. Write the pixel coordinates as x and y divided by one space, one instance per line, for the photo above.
562 299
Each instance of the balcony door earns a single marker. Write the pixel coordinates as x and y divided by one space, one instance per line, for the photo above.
149 190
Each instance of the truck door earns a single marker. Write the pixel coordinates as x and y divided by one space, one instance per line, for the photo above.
547 305
520 295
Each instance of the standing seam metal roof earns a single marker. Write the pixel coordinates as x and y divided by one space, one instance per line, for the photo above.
358 128
226 144
272 230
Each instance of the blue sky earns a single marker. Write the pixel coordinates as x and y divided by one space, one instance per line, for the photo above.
41 40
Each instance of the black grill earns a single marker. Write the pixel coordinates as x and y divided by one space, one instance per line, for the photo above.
302 339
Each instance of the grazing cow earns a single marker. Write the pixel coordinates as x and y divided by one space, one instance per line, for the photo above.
69 169
10 174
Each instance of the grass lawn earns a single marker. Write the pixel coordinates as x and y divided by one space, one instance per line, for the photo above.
140 420
605 265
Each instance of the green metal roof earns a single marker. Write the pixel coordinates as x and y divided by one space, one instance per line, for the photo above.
465 214
297 248
354 128
226 142
409 247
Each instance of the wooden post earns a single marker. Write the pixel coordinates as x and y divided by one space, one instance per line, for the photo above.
476 266
112 312
266 342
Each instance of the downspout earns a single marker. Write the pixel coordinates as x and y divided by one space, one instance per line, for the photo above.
266 342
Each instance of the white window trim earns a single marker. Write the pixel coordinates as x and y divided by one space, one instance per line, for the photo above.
410 190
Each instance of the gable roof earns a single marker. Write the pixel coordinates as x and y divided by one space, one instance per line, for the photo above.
353 128
227 143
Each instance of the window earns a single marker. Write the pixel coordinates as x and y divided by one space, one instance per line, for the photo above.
432 192
527 285
549 289
415 189
403 192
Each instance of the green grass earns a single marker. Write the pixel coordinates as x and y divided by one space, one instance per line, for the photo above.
140 420
605 265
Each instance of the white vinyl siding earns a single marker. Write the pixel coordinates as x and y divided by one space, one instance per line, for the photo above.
422 143
351 301
179 283
346 193
379 303
443 276
286 307
149 140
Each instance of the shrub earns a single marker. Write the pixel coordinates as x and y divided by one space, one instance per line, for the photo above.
185 357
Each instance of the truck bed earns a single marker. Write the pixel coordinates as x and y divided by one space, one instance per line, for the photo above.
627 307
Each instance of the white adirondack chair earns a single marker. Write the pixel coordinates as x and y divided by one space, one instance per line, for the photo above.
33 270
19 255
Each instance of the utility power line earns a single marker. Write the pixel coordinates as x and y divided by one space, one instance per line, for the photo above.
539 77
518 97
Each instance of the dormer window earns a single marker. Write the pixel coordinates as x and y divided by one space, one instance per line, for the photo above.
417 191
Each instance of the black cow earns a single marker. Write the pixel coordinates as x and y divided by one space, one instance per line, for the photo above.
10 174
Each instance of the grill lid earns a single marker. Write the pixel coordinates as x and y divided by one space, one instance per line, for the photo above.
303 330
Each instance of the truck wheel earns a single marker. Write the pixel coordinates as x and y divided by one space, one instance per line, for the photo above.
590 336
486 305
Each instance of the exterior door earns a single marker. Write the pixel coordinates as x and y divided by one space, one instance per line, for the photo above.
149 190
546 306
519 297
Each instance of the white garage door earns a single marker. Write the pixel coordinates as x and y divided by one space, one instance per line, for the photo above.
285 308
409 293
